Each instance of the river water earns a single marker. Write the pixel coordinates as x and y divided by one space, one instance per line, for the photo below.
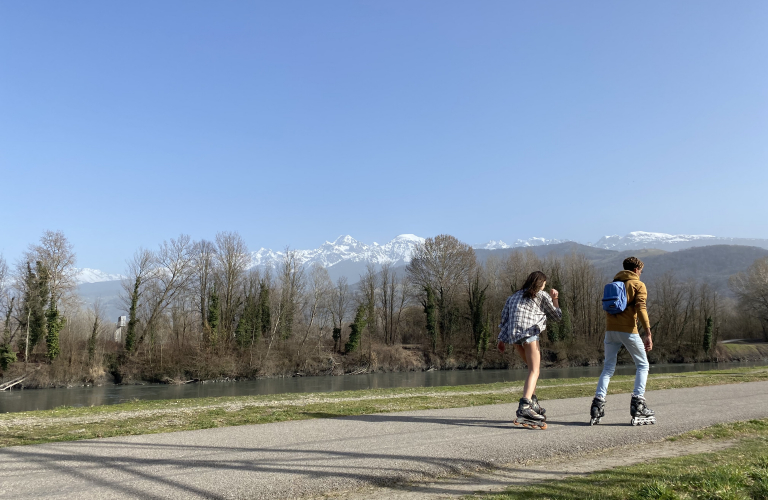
45 399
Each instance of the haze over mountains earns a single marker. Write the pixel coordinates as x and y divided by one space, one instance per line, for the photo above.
703 257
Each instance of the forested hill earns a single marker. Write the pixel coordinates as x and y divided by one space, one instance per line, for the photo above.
709 264
713 264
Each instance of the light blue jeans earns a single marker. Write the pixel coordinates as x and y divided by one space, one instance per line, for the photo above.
636 349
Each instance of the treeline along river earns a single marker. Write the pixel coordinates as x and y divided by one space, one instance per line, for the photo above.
45 399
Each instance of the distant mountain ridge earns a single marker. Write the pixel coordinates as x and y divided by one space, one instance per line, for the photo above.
671 242
348 256
705 257
345 248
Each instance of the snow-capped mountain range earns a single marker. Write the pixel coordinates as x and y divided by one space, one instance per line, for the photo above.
396 252
345 248
670 242
351 252
530 242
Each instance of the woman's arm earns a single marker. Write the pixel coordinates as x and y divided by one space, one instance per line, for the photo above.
551 305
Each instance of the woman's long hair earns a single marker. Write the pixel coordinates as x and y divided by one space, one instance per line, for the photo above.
533 284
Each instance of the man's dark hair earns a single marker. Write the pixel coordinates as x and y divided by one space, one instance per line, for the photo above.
632 263
533 283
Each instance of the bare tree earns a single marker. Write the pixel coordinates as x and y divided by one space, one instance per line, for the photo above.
204 252
442 264
392 297
317 297
292 283
57 255
232 260
97 329
751 288
367 297
154 281
139 270
339 308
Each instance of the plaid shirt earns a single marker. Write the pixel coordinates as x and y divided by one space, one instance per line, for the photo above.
523 317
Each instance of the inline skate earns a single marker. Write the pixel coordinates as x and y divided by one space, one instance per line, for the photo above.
527 416
597 412
641 414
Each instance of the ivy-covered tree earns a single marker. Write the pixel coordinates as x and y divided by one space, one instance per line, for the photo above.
213 317
54 323
336 338
357 329
264 310
7 355
130 335
429 312
35 300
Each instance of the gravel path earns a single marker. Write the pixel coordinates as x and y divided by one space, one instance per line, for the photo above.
315 457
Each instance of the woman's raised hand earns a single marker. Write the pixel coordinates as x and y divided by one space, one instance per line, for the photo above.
554 293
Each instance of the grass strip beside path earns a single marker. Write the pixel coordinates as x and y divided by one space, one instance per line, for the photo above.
739 472
147 417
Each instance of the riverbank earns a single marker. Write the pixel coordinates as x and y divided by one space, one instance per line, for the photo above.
150 417
121 370
743 350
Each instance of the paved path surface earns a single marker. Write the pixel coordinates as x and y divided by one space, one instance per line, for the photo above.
309 458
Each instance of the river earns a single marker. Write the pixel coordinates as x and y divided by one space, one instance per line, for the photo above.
45 399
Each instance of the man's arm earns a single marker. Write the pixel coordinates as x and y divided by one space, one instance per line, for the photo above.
641 297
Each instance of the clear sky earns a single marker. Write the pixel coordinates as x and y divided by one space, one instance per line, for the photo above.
292 122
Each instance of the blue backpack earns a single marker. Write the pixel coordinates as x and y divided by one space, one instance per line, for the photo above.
615 297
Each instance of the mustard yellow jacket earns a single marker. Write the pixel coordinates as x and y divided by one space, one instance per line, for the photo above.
637 295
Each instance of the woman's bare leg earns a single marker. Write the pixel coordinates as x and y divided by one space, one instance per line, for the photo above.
521 352
533 360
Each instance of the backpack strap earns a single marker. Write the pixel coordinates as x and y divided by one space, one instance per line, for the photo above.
625 286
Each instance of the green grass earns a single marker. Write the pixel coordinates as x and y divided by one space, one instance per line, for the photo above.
739 472
147 417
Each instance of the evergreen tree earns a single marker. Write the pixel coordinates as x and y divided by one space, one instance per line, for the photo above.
264 311
336 338
7 356
213 317
429 312
54 323
35 301
357 329
249 322
130 335
707 341
553 331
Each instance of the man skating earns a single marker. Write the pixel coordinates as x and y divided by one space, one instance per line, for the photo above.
621 329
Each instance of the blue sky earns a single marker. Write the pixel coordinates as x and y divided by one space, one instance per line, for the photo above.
127 123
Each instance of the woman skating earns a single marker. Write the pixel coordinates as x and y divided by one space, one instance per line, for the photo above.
523 321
